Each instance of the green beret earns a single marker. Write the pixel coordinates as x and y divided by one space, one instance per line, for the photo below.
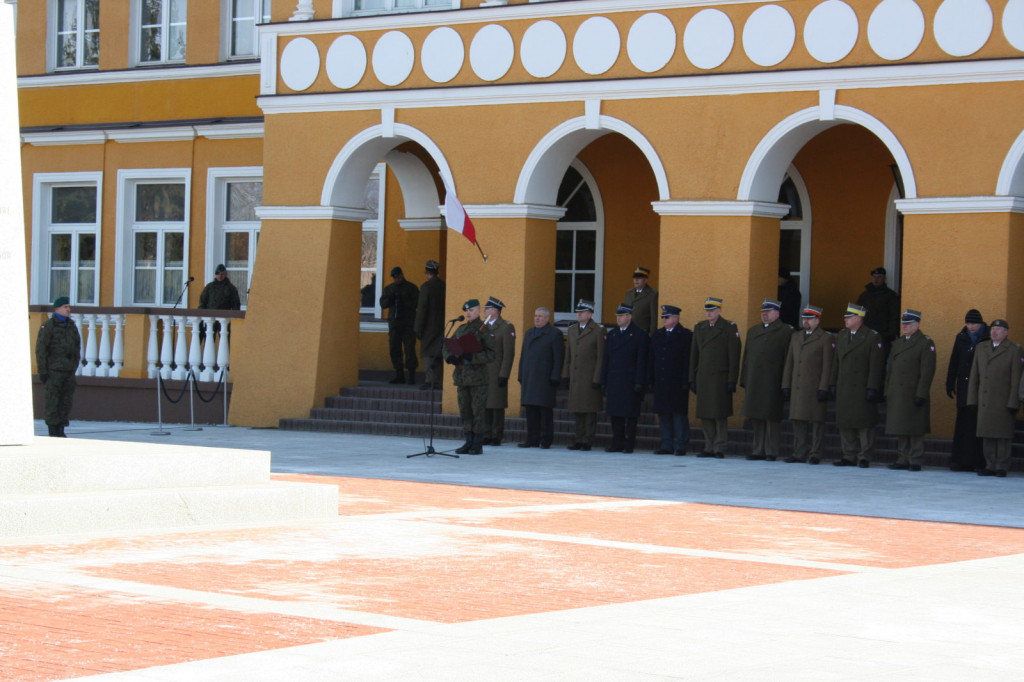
471 303
62 300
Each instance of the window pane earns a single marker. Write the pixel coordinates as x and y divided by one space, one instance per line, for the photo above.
369 257
242 38
584 287
563 292
570 181
174 249
586 250
73 205
87 268
60 251
242 9
145 267
563 249
266 11
67 15
60 283
86 287
67 46
160 202
789 250
243 198
145 249
86 250
151 12
176 44
403 4
580 208
92 49
179 9
369 4
92 15
149 45
236 250
789 195
372 197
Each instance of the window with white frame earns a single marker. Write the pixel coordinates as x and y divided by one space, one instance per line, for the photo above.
75 31
241 35
579 243
345 8
66 233
233 230
152 226
161 31
373 243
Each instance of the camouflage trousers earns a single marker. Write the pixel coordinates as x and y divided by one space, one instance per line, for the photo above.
60 389
495 423
473 408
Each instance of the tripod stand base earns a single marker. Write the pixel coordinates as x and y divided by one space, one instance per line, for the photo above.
430 452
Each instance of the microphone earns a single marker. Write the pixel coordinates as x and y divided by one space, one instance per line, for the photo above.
460 318
190 279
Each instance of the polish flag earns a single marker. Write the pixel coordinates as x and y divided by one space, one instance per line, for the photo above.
455 216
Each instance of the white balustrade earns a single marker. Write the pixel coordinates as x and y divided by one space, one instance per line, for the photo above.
209 354
103 354
195 354
166 347
91 350
303 11
223 349
180 349
117 352
153 349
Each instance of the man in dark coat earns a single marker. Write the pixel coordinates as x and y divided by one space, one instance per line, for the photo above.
968 454
540 373
583 363
470 377
789 296
644 301
58 356
714 369
220 293
623 378
400 299
882 305
805 384
764 358
498 372
994 389
908 383
857 376
429 324
668 377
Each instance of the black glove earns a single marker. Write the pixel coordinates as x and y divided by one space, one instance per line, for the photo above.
919 402
502 382
555 383
43 378
872 396
453 359
950 389
731 386
786 393
822 396
596 386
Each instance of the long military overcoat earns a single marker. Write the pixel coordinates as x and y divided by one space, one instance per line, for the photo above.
714 363
669 369
429 326
993 387
909 375
472 371
504 333
961 359
624 368
764 358
540 365
645 308
583 363
860 365
808 370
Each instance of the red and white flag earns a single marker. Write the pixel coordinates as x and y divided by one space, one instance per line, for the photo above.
455 216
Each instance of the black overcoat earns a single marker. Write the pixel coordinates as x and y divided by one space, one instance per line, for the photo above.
624 368
540 365
668 369
958 374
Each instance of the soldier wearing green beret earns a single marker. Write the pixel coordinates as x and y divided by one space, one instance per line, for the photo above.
471 377
58 354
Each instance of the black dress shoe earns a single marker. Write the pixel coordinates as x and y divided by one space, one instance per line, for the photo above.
770 458
813 460
613 448
545 447
793 460
756 458
576 446
986 472
843 463
899 466
863 463
705 454
488 441
719 455
914 467
662 451
628 451
584 447
1001 474
680 453
527 445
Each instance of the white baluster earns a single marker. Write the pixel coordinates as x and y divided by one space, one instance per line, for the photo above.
80 323
91 351
209 353
223 350
153 350
303 11
194 350
166 347
117 352
103 357
180 348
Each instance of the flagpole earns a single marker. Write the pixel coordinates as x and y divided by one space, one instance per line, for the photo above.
481 251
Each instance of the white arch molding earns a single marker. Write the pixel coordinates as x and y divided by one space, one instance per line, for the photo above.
767 165
542 173
1011 175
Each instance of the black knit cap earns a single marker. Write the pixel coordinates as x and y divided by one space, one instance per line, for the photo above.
973 317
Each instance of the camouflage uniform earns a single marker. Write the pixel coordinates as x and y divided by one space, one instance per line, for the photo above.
471 377
58 354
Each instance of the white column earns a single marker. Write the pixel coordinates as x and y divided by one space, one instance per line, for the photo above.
153 348
166 346
303 11
103 357
79 321
180 348
223 349
209 354
194 351
117 352
91 350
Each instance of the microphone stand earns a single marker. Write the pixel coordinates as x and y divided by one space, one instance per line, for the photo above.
183 290
430 451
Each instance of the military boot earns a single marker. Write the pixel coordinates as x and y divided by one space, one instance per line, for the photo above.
477 447
412 378
53 433
465 447
60 432
399 377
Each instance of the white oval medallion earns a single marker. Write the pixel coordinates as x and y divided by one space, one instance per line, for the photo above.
393 58
300 64
962 27
491 52
442 54
831 31
708 38
543 49
596 45
346 62
1013 23
895 29
651 42
768 35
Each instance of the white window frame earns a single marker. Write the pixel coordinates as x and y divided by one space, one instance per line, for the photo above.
346 8
803 225
217 181
124 263
42 183
598 227
261 11
52 14
135 36
380 170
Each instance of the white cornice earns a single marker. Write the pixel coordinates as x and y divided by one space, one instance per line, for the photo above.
311 213
230 131
943 205
514 211
227 131
64 138
139 75
698 85
421 224
759 209
169 134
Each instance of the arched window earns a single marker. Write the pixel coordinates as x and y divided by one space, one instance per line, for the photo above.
795 235
579 251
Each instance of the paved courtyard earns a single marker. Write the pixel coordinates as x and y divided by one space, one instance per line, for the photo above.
538 565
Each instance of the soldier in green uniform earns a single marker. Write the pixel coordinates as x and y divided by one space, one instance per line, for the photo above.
429 324
714 368
220 293
400 299
764 358
857 375
58 355
498 372
470 377
583 363
644 301
908 383
805 384
993 387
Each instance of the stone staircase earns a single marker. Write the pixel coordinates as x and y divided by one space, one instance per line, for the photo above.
378 408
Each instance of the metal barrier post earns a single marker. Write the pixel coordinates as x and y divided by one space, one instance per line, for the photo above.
191 402
159 411
224 390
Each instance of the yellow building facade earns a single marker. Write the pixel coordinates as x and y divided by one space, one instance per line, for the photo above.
711 142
